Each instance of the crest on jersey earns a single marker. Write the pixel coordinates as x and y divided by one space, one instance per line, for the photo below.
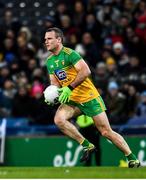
63 62
61 74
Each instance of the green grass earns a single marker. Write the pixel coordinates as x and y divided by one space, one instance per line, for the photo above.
72 172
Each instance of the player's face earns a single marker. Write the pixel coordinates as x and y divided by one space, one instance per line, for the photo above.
51 41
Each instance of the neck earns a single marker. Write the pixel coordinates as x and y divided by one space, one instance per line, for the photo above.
57 49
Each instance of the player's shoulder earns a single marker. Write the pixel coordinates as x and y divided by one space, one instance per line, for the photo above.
67 50
49 57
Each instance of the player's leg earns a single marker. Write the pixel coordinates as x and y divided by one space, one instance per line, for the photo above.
63 114
91 134
102 124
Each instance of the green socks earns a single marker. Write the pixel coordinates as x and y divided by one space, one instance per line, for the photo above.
85 143
131 157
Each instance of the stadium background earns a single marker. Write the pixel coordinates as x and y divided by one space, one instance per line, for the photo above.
111 36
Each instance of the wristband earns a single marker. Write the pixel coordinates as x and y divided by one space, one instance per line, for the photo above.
70 87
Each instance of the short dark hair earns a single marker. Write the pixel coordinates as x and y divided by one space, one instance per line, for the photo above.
58 32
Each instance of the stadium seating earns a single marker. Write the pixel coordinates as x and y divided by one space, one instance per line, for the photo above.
134 126
21 127
29 12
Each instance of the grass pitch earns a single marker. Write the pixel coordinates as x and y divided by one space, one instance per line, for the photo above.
71 172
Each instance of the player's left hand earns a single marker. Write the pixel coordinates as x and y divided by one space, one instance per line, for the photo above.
65 93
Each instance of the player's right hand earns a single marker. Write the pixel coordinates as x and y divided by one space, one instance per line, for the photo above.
65 93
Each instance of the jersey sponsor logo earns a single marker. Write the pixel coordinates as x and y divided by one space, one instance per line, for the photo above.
61 74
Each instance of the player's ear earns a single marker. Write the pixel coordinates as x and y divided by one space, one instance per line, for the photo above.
59 39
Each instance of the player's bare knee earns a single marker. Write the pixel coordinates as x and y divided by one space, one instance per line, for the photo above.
106 133
59 121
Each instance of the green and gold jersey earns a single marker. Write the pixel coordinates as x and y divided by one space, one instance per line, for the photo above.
62 66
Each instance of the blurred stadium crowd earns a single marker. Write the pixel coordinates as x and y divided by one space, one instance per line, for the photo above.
109 34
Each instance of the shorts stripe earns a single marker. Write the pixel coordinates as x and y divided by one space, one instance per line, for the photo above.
92 107
101 103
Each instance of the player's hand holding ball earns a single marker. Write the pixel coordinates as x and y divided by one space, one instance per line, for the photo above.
65 93
51 95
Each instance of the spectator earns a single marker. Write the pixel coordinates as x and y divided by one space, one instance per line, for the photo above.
139 8
72 40
93 6
134 66
135 45
141 27
67 27
124 22
123 64
24 52
108 12
23 104
26 33
22 80
118 50
101 77
91 50
116 35
143 79
42 55
37 89
4 75
6 95
112 70
49 21
61 10
105 54
9 50
14 68
10 34
39 75
116 104
92 26
107 45
44 114
79 15
9 22
31 66
128 6
141 107
132 100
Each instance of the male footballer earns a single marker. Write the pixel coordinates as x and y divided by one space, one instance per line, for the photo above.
78 95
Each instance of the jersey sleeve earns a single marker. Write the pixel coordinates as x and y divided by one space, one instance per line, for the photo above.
74 57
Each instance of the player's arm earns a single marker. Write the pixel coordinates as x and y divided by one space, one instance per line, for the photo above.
53 80
83 72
